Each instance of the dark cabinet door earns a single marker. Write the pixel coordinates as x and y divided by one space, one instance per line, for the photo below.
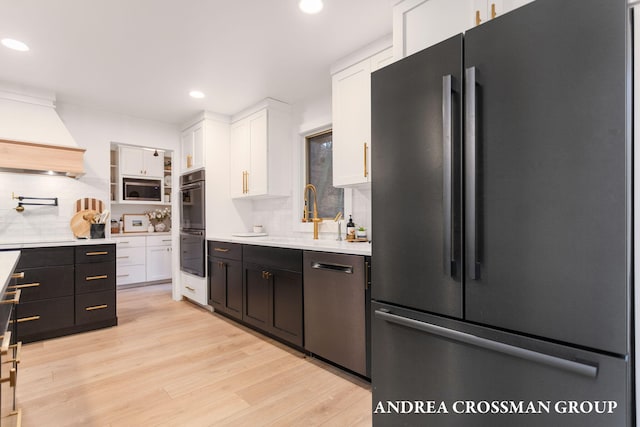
416 197
225 286
257 297
286 305
547 161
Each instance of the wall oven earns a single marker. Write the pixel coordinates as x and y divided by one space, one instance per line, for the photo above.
139 189
192 223
192 213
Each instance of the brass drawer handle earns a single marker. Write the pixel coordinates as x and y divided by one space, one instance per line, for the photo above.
13 376
26 319
190 288
103 276
18 275
25 285
221 249
366 172
15 299
97 253
96 307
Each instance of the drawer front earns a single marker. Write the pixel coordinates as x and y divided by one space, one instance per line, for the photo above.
95 277
45 257
46 282
130 242
194 288
130 274
95 253
95 307
225 250
280 258
164 240
130 256
46 315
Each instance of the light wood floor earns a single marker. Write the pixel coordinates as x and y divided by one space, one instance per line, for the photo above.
171 363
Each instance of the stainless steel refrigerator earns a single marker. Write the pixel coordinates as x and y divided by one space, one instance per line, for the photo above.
501 277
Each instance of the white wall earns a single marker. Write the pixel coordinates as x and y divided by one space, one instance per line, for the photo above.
93 130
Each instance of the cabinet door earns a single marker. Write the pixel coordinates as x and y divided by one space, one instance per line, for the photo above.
198 146
257 178
418 24
239 158
225 286
153 165
158 263
351 124
187 151
131 161
256 297
286 306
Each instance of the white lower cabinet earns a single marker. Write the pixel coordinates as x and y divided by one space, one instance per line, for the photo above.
194 287
142 259
158 258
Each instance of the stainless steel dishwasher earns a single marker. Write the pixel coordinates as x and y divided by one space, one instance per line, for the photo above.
335 326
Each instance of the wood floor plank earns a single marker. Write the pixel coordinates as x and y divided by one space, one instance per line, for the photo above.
172 363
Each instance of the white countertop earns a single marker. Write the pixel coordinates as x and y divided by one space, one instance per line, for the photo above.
344 247
54 243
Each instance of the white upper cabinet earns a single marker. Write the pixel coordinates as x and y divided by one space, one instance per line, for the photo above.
141 162
260 151
351 111
418 24
193 147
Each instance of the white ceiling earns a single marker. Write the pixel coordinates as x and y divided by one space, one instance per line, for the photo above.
142 57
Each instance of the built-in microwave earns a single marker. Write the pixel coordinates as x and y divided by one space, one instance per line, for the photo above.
141 189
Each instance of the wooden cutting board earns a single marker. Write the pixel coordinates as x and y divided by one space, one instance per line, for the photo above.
79 225
89 203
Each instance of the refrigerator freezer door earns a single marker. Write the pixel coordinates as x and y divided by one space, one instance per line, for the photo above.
472 370
416 199
548 165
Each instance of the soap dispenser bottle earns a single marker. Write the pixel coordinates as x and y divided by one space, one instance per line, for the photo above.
351 229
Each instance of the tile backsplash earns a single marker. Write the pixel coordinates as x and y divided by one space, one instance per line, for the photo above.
43 223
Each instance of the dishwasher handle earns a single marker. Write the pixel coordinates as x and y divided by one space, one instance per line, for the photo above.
348 269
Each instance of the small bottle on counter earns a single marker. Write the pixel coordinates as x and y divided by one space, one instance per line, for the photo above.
351 229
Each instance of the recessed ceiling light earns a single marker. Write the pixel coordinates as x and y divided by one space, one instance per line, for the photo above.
196 94
310 6
15 45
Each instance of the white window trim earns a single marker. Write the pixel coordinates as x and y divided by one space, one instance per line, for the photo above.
299 181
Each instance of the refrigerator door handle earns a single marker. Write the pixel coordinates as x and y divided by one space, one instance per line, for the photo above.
522 353
447 173
471 106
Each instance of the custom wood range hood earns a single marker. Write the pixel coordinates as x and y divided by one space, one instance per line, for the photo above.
33 138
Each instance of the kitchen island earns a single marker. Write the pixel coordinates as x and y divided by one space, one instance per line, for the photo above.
307 244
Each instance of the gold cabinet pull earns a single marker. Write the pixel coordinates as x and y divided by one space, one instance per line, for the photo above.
26 319
190 288
247 180
13 376
266 275
102 276
96 253
96 307
366 172
493 10
24 285
15 299
478 20
221 249
18 275
122 275
123 257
